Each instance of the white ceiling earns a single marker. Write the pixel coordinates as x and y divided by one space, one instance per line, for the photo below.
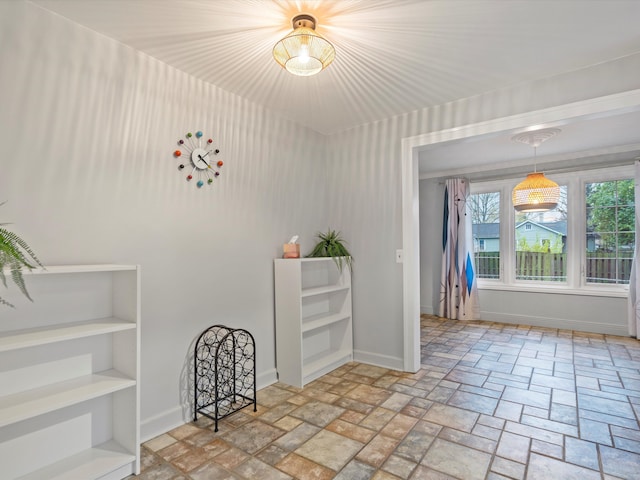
393 56
609 140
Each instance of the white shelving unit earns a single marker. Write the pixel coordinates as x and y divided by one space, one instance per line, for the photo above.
313 318
69 374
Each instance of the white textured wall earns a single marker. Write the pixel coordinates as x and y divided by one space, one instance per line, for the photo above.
431 207
365 204
88 127
574 312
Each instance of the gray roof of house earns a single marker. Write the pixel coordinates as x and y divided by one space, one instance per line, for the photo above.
560 227
556 227
486 230
492 230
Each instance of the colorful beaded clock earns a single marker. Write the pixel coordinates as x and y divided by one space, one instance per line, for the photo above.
204 166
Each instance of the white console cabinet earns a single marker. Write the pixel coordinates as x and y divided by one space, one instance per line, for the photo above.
69 374
313 318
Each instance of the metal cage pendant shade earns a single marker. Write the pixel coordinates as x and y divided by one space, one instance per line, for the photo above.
536 193
304 52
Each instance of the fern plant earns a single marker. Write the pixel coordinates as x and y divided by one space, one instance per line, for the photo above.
331 244
15 254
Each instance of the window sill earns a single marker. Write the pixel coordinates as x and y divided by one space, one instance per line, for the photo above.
619 292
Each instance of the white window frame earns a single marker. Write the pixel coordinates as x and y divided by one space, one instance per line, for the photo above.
576 235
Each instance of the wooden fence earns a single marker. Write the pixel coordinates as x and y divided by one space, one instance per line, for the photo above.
488 264
601 268
552 267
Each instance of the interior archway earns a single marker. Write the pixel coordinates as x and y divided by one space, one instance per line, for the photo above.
411 146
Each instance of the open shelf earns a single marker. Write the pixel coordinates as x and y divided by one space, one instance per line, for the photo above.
58 269
23 405
91 463
323 320
310 292
33 337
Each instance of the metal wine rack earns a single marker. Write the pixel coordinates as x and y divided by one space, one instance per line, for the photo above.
224 364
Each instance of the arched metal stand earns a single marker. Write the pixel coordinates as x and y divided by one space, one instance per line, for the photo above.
224 365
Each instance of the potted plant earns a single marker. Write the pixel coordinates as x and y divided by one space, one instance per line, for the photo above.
15 254
331 244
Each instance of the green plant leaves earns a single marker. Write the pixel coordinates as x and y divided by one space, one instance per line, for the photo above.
331 244
15 254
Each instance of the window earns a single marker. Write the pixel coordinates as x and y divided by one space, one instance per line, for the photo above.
485 217
539 245
610 231
586 242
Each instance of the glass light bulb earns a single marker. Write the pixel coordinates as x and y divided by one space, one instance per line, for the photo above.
303 56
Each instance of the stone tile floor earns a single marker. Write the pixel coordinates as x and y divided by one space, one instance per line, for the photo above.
491 401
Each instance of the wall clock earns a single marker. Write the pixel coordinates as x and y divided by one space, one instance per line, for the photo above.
198 159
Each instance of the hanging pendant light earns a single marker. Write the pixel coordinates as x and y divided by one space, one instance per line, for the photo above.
536 193
304 52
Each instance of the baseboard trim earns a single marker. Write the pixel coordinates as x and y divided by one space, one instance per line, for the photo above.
385 361
562 323
161 423
426 309
266 378
181 414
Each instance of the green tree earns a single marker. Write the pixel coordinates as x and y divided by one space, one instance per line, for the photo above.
611 213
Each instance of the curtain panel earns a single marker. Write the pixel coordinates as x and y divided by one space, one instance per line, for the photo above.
458 285
634 289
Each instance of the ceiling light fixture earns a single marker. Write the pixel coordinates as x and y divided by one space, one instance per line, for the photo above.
304 52
536 193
